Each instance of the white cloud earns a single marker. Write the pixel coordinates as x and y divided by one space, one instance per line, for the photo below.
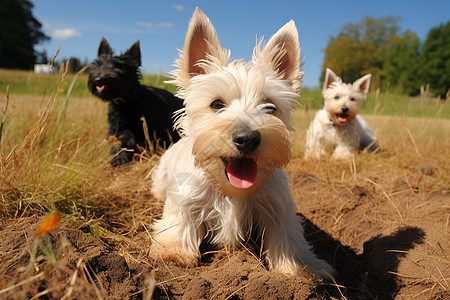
160 24
65 34
165 24
145 24
179 7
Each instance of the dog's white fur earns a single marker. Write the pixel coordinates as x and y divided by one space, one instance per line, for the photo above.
328 133
200 202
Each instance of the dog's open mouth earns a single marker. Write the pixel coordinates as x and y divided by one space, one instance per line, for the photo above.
241 171
100 88
342 117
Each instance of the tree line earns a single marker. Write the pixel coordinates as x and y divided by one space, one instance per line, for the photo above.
374 45
395 60
20 32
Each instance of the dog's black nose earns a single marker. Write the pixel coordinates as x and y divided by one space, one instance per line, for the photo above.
98 80
246 140
345 110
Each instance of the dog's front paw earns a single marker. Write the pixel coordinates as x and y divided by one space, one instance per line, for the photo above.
120 157
342 154
317 269
118 161
314 154
294 270
173 253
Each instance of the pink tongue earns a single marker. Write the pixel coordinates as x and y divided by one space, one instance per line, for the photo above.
100 88
242 172
342 118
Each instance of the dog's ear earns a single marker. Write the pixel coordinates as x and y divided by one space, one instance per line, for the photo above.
201 44
282 53
135 53
330 77
363 84
104 48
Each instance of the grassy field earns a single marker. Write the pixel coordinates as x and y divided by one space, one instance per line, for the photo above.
54 158
386 103
36 126
29 83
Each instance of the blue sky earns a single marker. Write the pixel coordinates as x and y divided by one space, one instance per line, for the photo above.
77 26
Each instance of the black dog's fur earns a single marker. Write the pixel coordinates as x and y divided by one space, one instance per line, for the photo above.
115 79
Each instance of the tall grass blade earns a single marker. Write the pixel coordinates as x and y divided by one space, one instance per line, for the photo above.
63 109
420 254
5 112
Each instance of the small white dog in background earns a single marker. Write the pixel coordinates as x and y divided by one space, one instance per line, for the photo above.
223 179
337 128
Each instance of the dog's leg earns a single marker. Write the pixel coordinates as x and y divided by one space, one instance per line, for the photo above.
366 136
178 234
125 139
176 239
312 146
347 142
315 145
285 246
343 152
160 179
233 223
123 153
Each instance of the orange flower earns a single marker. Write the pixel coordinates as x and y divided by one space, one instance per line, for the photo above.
49 223
115 140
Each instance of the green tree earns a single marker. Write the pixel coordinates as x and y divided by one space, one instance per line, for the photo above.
362 48
74 65
435 60
347 58
403 63
41 57
19 33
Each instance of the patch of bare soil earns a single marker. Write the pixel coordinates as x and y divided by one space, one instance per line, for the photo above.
387 236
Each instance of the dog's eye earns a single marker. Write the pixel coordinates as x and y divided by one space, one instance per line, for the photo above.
269 107
352 99
217 104
336 97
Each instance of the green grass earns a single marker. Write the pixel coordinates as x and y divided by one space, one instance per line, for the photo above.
158 81
382 103
389 104
29 83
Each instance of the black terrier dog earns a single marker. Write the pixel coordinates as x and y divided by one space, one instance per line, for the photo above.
115 79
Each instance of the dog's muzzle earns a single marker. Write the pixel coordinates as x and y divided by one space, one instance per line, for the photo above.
343 117
240 171
246 140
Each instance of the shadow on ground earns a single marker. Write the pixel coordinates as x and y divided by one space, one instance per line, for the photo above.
370 275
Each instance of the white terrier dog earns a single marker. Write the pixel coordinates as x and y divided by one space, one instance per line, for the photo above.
223 180
338 127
